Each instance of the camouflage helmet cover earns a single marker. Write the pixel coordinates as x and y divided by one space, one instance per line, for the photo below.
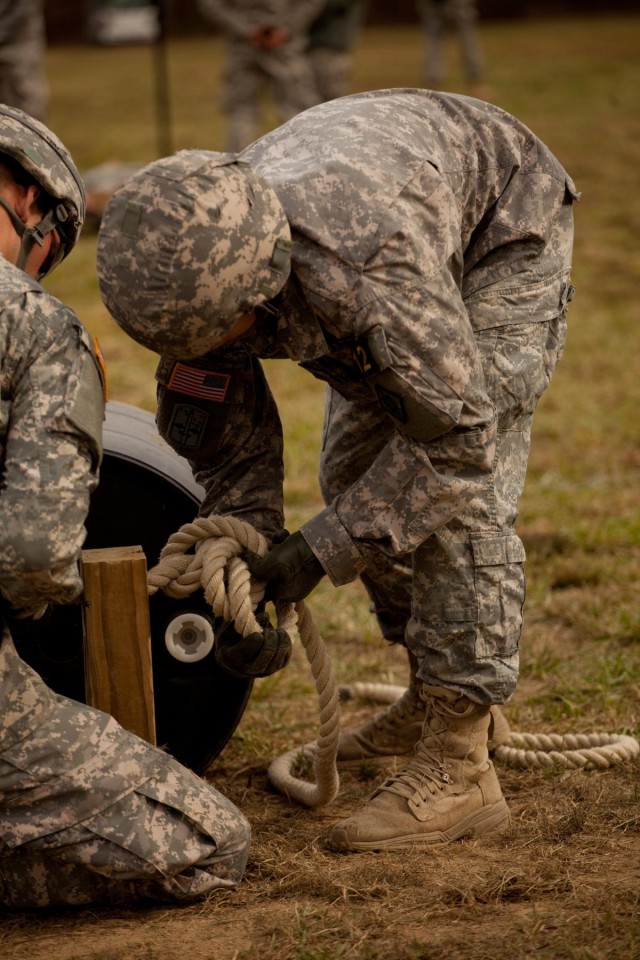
39 152
186 245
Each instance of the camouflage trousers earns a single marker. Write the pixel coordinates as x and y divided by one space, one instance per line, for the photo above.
90 813
23 81
284 72
331 71
457 601
456 15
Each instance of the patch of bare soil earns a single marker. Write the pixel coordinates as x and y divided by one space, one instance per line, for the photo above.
563 883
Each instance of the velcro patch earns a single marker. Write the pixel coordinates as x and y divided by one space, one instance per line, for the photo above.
204 384
392 402
371 353
363 358
187 427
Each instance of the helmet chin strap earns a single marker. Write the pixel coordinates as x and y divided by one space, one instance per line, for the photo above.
35 235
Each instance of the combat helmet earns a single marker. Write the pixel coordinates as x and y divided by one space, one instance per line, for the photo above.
39 152
186 245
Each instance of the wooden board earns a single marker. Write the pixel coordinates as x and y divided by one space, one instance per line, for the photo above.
117 637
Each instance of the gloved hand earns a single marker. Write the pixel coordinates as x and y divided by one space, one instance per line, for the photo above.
258 655
290 568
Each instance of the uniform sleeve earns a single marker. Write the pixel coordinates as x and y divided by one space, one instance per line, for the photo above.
416 350
409 492
220 414
434 464
52 456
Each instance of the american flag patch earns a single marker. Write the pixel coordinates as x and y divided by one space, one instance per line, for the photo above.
199 383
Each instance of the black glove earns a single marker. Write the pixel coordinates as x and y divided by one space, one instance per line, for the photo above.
258 655
291 569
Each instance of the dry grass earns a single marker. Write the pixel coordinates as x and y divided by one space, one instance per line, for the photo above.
565 883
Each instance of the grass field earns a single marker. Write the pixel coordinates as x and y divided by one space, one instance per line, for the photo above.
565 883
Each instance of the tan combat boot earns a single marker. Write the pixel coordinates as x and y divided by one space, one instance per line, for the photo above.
395 731
392 732
449 789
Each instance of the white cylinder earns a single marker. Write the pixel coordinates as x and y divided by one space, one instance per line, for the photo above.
189 637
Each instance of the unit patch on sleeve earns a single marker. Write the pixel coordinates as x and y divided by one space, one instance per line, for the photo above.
195 382
187 427
371 353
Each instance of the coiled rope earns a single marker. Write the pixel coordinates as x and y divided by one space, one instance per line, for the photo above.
217 567
570 750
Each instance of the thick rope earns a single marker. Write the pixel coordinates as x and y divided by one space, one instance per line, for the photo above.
531 750
571 750
216 566
325 748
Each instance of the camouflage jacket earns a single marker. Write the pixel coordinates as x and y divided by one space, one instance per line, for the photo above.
418 221
51 411
239 18
20 20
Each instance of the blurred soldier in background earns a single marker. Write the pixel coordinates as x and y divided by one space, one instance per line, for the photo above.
266 49
427 284
88 812
332 38
440 17
23 81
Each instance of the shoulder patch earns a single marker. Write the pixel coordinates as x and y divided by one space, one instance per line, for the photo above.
196 382
186 428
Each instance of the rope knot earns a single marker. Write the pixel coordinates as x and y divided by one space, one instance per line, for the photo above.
207 554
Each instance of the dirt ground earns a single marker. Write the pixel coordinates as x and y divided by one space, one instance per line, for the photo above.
563 883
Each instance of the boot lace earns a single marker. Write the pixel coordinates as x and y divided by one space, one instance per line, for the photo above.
407 708
427 773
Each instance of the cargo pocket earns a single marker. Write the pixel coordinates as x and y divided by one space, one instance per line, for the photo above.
500 593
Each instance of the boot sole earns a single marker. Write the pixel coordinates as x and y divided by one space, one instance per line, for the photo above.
489 819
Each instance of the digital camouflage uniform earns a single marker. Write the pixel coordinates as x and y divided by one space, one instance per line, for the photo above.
284 69
88 812
432 239
332 38
461 17
23 80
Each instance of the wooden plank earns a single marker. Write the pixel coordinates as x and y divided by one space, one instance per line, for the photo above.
117 637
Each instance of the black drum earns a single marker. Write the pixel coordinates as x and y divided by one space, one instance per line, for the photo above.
146 493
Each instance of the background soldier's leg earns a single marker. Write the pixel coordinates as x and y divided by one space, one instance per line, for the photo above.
241 95
465 15
292 81
433 25
331 71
